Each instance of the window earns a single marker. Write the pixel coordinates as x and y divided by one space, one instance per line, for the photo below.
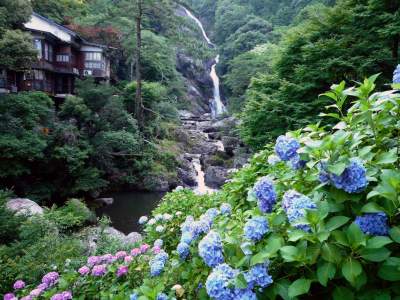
38 74
62 58
38 46
94 56
51 53
94 65
3 78
48 52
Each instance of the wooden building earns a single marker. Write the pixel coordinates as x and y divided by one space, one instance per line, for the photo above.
62 56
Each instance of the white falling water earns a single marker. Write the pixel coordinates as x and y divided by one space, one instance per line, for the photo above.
217 107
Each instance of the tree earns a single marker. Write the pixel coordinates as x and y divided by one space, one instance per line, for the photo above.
138 63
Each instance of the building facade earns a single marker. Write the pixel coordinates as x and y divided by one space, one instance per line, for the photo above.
63 56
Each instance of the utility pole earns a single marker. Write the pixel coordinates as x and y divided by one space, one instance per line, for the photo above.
138 97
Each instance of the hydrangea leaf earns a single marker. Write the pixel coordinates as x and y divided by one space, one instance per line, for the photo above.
387 157
289 253
375 255
395 234
325 272
378 242
351 269
355 236
390 270
372 207
299 287
337 169
341 293
331 253
336 222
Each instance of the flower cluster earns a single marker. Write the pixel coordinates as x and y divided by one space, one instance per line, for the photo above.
162 296
18 285
256 228
226 209
183 250
99 270
373 223
50 279
286 148
352 180
295 206
67 295
265 192
396 75
157 218
273 159
258 276
210 249
157 263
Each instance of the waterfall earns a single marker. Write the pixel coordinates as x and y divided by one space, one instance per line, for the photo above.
216 105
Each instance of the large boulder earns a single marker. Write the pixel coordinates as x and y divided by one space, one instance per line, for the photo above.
230 144
22 206
215 176
104 201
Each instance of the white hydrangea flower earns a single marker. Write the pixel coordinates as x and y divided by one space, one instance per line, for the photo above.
167 217
143 220
273 159
160 228
152 221
178 213
159 217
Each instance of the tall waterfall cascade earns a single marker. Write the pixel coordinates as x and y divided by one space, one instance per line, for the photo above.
216 105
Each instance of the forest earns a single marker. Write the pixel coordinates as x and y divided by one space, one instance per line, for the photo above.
291 191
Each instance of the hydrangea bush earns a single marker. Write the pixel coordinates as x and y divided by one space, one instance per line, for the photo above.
326 230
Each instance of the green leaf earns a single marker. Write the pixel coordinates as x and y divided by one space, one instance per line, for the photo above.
371 207
289 253
378 242
355 236
325 272
337 169
390 269
342 293
351 268
336 222
395 234
375 255
299 287
331 253
387 157
240 282
296 235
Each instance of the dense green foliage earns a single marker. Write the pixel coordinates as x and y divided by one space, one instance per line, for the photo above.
335 258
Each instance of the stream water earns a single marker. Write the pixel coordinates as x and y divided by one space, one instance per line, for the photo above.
128 207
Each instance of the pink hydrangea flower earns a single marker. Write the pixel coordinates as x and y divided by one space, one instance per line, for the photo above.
67 295
27 298
144 248
122 271
93 260
121 254
19 284
36 292
42 286
10 296
128 259
108 258
50 278
84 270
135 252
99 270
156 249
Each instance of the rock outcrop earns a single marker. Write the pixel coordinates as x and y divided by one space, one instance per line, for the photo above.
22 206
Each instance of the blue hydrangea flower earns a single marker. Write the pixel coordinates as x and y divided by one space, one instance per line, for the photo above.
286 148
296 163
187 237
226 209
273 159
157 263
159 243
396 75
258 276
183 250
218 284
212 213
295 206
186 225
265 193
244 294
210 249
256 228
353 179
162 296
373 223
133 296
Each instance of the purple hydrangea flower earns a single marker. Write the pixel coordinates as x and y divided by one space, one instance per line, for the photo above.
226 209
9 296
121 254
122 271
265 192
18 285
27 298
286 148
295 206
297 163
67 295
352 180
258 276
50 278
162 296
373 223
396 75
94 260
84 270
218 284
106 258
256 228
42 286
183 250
99 270
210 249
36 292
